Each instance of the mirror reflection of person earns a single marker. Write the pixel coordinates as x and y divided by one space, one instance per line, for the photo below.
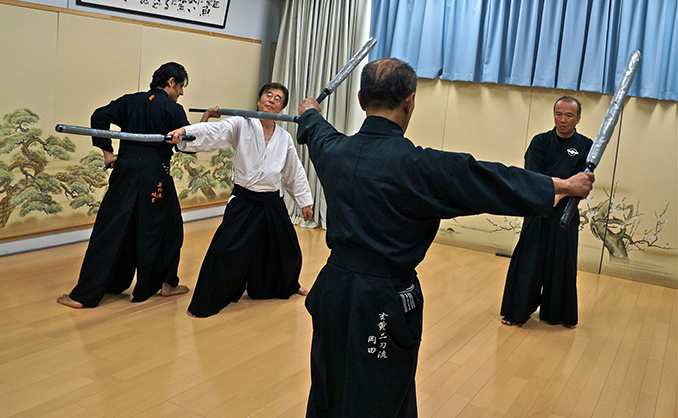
255 249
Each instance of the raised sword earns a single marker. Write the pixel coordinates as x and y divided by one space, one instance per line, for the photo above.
606 129
327 90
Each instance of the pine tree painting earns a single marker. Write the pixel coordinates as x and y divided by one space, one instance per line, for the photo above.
24 181
201 179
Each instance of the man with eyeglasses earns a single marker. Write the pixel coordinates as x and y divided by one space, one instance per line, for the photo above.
255 248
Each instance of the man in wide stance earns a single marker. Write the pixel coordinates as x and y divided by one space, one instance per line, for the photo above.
256 247
139 225
385 198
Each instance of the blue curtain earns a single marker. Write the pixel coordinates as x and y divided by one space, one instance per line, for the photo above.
565 44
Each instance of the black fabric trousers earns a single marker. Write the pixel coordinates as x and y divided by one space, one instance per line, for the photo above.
138 229
543 272
365 346
255 249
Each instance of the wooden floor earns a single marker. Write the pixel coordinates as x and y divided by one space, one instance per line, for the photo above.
252 360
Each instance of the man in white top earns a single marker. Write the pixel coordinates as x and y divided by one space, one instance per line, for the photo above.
256 247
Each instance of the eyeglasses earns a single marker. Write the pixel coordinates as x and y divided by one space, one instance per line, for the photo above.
278 99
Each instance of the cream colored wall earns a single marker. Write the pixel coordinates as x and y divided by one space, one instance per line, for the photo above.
497 122
117 58
28 59
63 65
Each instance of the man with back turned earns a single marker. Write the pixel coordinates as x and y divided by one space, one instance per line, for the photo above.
139 226
385 199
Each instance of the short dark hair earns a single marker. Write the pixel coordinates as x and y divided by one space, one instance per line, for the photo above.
571 100
266 87
386 83
166 71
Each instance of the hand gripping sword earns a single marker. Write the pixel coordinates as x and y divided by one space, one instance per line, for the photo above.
606 129
103 133
327 90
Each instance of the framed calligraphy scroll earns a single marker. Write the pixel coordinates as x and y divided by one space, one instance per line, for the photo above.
204 12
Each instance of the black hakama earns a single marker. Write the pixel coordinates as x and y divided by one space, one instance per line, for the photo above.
139 224
385 198
138 227
255 249
373 315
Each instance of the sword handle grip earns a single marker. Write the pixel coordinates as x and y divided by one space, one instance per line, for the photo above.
571 207
323 95
183 137
193 109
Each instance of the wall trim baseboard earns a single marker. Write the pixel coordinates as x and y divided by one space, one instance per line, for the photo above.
40 242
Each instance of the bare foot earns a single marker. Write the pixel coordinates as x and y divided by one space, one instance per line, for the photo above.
67 301
302 291
190 314
168 290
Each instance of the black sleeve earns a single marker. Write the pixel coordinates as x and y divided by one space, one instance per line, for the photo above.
463 186
535 156
304 130
313 125
179 119
102 118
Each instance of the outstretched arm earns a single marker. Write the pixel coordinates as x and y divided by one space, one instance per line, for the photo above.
212 112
